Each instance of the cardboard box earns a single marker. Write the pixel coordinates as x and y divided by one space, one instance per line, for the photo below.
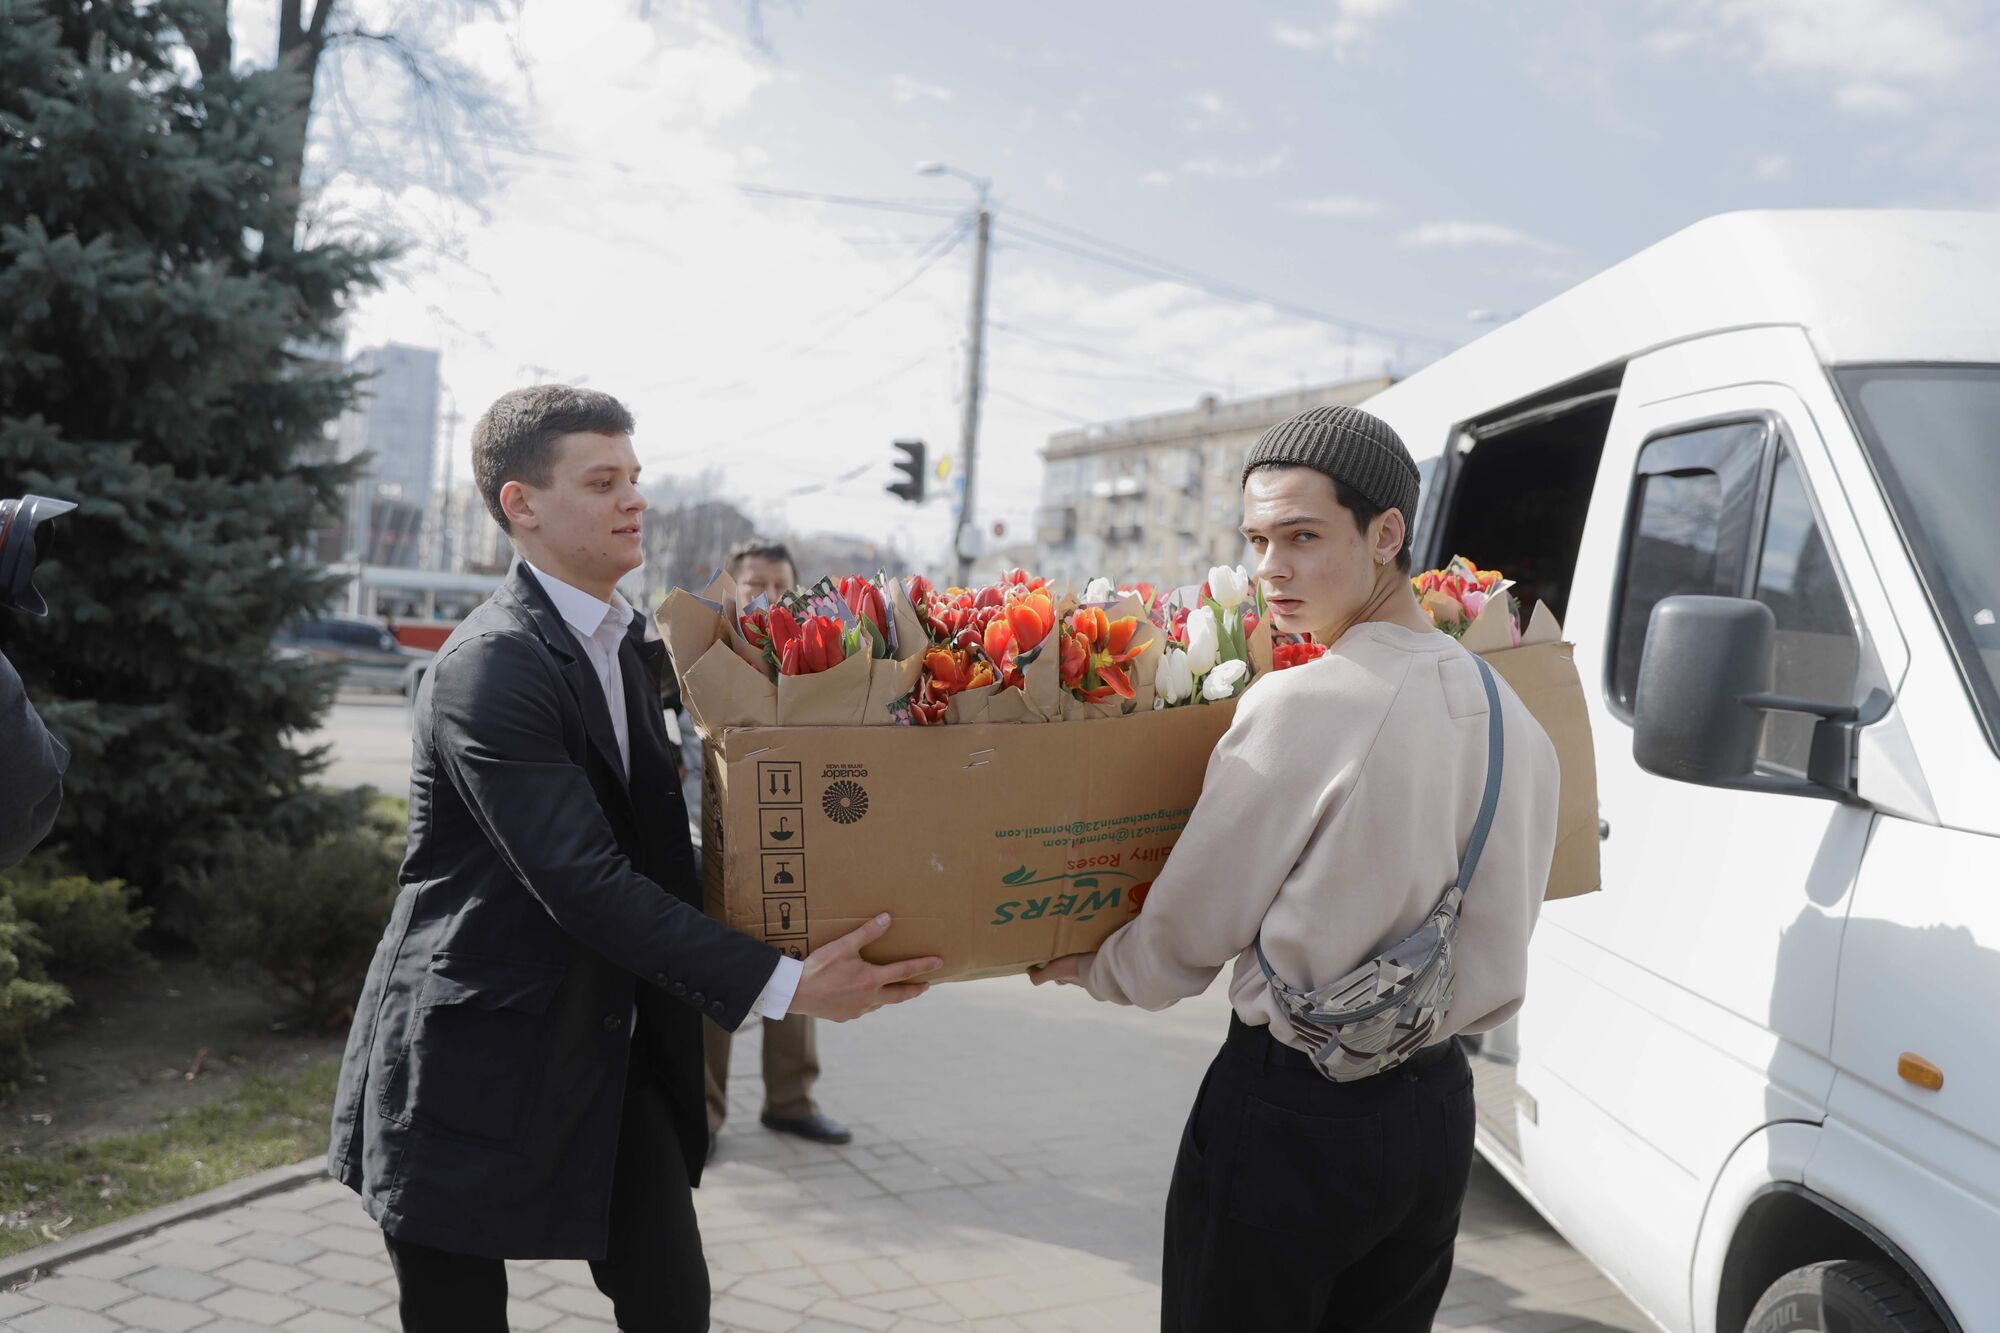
994 846
1542 671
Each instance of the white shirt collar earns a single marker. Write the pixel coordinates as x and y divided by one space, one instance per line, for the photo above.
580 611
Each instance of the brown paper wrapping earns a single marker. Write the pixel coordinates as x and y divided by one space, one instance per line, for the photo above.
721 690
836 697
887 682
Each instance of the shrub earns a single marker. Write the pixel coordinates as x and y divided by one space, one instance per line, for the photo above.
27 999
304 922
89 927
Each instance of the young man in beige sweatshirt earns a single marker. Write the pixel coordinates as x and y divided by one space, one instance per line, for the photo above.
1333 816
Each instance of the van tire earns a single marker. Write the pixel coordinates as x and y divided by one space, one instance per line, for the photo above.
1844 1294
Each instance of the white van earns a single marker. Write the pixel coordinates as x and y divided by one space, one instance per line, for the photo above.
1757 1077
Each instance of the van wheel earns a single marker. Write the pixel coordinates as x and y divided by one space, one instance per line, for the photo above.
1848 1294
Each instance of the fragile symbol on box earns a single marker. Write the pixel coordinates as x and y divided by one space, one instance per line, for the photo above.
784 874
780 784
784 916
780 829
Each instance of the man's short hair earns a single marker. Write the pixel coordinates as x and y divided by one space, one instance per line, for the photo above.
757 548
515 439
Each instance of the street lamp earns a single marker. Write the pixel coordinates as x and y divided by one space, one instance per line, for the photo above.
963 538
979 183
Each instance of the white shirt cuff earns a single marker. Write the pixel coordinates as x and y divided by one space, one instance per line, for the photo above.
776 998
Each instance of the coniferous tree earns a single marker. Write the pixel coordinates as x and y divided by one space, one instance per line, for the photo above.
156 367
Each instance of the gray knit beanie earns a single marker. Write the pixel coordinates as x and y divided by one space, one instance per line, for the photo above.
1348 445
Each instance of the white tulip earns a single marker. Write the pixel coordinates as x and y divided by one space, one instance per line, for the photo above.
1204 640
1221 683
1229 586
1100 590
1174 681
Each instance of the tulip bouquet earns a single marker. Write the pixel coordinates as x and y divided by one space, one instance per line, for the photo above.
1454 596
1018 651
1209 631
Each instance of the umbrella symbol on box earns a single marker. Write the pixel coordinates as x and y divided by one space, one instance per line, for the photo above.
783 832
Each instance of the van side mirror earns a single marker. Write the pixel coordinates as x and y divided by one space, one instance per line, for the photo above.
1704 686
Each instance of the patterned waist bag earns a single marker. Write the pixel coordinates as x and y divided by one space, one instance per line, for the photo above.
1387 1009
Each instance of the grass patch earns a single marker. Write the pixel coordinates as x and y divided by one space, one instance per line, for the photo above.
272 1120
392 809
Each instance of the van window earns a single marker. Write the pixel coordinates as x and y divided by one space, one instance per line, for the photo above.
1692 505
1929 432
1818 651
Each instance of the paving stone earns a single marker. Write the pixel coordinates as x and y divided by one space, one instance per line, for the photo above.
261 1308
12 1303
348 1239
274 1248
61 1319
734 1313
81 1293
157 1312
528 1316
260 1275
175 1283
340 1297
351 1268
325 1321
279 1221
201 1257
111 1265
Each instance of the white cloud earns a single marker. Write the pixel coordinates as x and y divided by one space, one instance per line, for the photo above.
1876 56
1213 111
1216 167
1352 24
1338 206
1874 98
1669 42
623 252
906 90
1772 167
1472 235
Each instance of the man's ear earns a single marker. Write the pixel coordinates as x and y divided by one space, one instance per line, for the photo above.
1391 536
518 506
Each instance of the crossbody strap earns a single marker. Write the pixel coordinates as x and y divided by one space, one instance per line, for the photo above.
1489 801
1496 757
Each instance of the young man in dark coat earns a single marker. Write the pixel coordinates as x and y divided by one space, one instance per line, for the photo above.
524 1075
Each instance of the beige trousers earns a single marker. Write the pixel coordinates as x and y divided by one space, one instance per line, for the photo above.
791 1067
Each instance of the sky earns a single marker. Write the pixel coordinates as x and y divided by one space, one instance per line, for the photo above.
1359 185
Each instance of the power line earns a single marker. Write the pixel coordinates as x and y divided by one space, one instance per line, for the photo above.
1186 376
1112 255
1041 407
934 251
849 200
709 450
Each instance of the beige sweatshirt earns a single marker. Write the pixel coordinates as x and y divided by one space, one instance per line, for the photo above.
1333 815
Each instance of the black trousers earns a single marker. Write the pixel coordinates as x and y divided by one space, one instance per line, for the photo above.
653 1269
1300 1205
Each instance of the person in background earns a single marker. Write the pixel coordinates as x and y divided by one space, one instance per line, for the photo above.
791 1047
32 763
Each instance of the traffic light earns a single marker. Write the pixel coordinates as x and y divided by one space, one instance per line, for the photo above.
911 488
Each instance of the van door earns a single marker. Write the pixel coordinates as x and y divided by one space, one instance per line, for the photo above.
1691 1001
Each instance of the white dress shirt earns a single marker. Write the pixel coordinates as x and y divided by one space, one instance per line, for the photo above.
600 627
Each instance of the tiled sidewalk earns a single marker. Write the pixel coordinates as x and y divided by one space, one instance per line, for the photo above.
1009 1172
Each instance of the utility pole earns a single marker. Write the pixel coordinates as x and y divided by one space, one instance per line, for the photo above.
975 358
447 511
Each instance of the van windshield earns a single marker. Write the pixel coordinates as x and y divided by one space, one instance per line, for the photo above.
1933 435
